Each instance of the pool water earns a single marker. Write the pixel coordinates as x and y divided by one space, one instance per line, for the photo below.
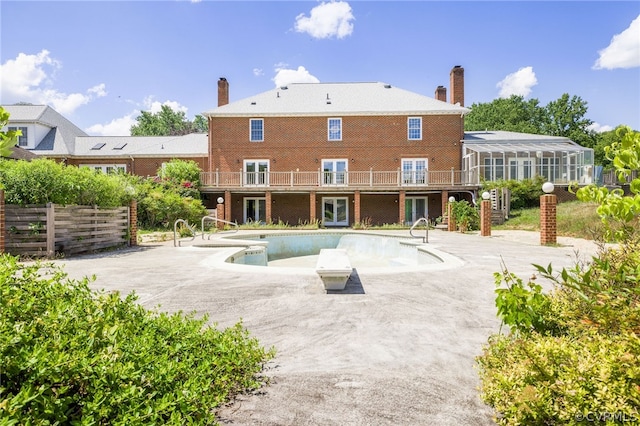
364 250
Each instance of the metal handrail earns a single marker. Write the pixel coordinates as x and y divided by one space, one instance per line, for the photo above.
215 219
175 231
425 239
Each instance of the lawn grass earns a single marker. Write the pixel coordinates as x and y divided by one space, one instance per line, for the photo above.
574 219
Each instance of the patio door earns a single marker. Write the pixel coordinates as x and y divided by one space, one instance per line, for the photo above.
335 211
520 168
255 209
256 172
414 171
335 172
415 208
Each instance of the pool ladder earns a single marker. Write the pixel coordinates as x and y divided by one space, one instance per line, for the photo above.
194 231
425 239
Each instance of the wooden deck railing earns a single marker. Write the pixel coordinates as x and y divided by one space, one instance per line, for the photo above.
369 178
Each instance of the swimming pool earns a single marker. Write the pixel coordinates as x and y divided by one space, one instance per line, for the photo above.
365 250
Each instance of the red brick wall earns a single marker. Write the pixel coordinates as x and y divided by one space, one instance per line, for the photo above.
380 208
378 142
548 225
289 207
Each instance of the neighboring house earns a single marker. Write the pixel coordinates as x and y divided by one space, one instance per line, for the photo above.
48 134
343 153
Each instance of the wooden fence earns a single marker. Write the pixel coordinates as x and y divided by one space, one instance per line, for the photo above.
44 231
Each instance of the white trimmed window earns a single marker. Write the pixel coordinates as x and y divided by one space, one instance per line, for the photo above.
334 129
256 130
256 172
414 128
23 140
335 172
414 171
107 168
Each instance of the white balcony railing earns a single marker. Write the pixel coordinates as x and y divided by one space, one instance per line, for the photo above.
370 178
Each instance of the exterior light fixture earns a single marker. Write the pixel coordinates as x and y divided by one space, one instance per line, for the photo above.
452 199
486 195
547 187
220 200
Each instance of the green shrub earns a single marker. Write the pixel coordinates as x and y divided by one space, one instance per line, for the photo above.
42 181
466 216
73 356
525 193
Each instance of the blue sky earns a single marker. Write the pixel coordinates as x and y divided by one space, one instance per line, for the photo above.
100 63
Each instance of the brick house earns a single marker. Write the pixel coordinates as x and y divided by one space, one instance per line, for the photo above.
340 153
46 133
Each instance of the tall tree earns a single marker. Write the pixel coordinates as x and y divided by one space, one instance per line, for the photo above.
512 114
167 122
566 117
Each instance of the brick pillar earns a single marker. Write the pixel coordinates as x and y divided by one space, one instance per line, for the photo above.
1 221
267 207
356 207
219 215
133 223
444 199
548 225
485 218
401 202
227 206
312 207
451 221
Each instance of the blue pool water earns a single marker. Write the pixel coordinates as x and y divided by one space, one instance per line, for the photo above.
364 250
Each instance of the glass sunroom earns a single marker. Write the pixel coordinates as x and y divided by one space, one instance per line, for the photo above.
495 155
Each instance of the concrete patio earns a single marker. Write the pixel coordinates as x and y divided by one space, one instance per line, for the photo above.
391 349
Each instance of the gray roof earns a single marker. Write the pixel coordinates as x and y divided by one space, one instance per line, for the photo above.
329 99
61 138
502 141
192 145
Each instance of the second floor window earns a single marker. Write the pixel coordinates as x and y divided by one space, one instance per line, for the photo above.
256 130
23 140
335 129
414 128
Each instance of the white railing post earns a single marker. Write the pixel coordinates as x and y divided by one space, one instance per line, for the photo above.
452 177
370 176
217 177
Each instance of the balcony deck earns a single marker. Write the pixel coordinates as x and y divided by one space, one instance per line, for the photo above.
337 181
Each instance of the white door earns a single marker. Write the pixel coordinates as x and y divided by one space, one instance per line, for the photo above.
256 172
415 208
335 172
335 211
414 171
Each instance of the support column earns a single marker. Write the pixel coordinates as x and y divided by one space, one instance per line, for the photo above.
133 223
220 214
548 226
267 202
485 218
444 199
312 207
356 207
401 202
227 206
451 221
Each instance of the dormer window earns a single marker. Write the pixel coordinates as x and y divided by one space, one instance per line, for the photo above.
23 140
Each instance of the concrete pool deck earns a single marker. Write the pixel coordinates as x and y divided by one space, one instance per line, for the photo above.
389 350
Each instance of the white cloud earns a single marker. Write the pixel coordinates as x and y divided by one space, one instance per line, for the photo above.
287 76
518 83
623 51
258 72
333 19
116 127
27 78
155 106
599 128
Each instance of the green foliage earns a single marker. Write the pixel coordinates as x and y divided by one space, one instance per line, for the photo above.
466 216
616 208
512 114
73 356
42 181
574 354
9 138
183 175
566 117
167 122
525 193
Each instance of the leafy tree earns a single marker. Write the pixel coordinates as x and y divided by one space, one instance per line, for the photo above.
8 139
167 122
604 140
512 114
566 117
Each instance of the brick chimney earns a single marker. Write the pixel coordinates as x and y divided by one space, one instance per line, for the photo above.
441 93
223 91
457 85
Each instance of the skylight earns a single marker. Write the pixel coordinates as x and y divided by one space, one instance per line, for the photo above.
98 146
